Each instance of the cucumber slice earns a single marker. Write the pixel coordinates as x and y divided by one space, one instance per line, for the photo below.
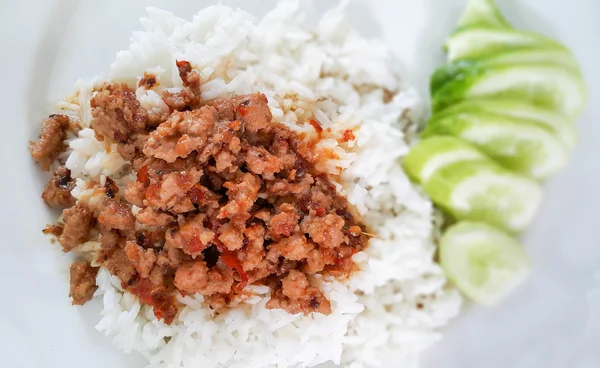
544 85
431 154
565 131
555 56
482 13
482 261
524 146
467 67
473 43
484 191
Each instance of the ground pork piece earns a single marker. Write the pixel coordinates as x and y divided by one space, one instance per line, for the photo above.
182 134
226 162
281 146
117 215
126 151
217 301
264 215
50 143
293 248
181 100
231 237
189 96
83 282
110 238
132 149
117 113
253 111
260 161
297 296
117 262
318 259
171 193
57 192
155 118
191 236
326 231
294 285
285 222
78 221
224 138
196 277
253 253
158 274
203 198
284 187
225 109
151 217
189 77
135 193
142 259
171 256
319 201
343 266
242 194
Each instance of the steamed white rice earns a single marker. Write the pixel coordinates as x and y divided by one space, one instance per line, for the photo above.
391 309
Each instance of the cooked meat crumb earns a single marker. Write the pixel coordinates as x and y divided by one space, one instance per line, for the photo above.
50 143
226 197
117 113
57 192
78 220
83 282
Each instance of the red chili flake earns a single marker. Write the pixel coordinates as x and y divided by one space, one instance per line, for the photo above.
320 211
230 259
316 125
157 296
152 191
142 175
243 110
348 136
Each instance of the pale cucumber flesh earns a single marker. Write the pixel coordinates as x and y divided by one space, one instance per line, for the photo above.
546 86
431 154
484 191
482 13
523 146
563 127
469 67
482 261
473 43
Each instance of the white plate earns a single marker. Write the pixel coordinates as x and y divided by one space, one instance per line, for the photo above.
553 321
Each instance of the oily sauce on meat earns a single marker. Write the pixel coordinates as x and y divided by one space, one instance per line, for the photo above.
226 198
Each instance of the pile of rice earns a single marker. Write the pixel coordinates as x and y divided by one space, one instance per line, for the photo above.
391 309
